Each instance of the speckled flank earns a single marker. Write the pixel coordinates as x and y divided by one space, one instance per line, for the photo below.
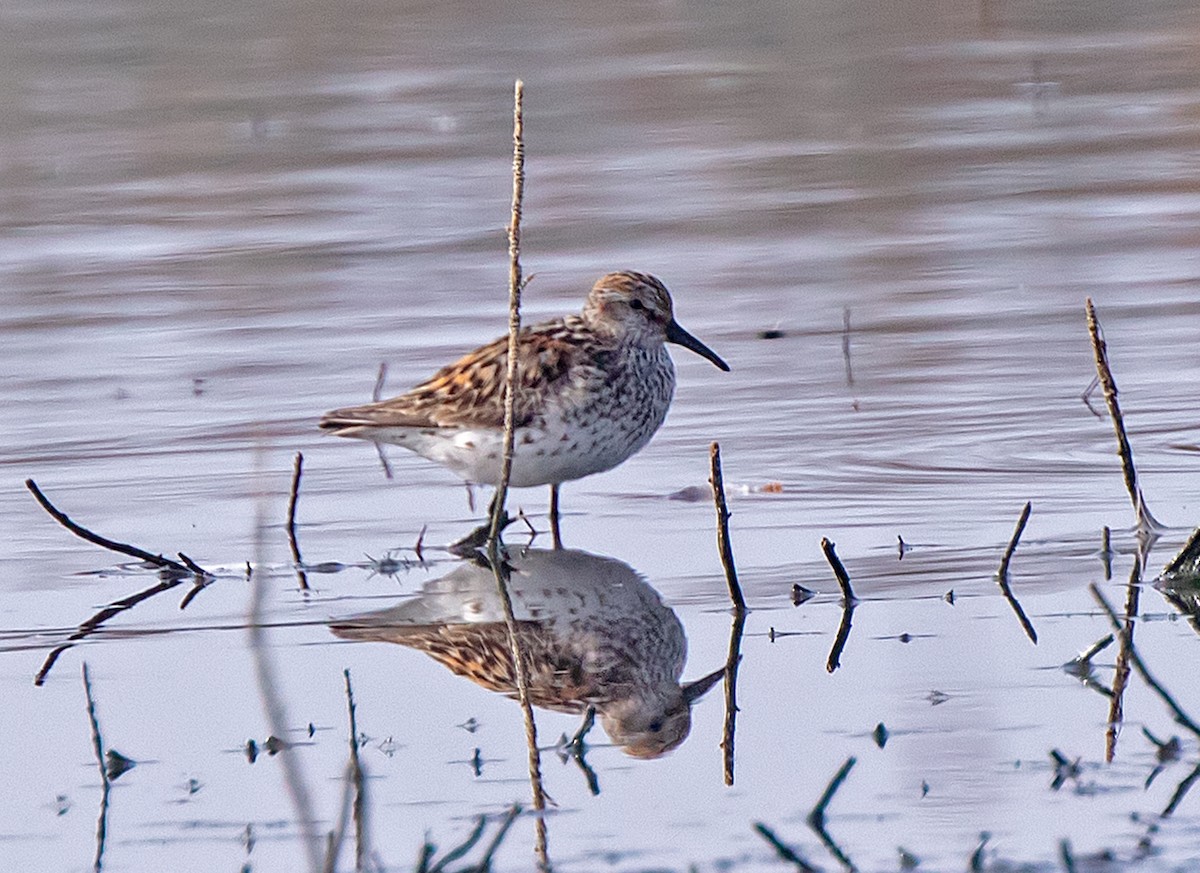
593 390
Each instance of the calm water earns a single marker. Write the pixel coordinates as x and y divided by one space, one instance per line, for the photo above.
218 219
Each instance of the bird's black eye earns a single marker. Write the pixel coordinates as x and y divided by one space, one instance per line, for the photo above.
656 726
636 304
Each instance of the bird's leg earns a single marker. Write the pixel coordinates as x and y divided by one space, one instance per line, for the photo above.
554 530
575 745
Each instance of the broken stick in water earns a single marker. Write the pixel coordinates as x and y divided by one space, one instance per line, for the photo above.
723 544
1002 574
293 499
849 601
123 548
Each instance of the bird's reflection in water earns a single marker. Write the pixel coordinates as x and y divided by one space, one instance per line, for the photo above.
594 632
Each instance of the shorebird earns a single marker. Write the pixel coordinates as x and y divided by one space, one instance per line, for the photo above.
595 633
592 390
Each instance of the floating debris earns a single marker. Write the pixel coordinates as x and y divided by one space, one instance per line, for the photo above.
937 698
880 735
908 861
1064 769
116 764
800 594
772 333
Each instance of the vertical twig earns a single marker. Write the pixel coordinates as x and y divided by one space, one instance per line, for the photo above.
514 306
723 544
499 567
1147 524
273 706
293 499
98 748
849 601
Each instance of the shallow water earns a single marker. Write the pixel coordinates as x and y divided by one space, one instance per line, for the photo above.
220 219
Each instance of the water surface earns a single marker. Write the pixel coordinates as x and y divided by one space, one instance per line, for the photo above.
218 220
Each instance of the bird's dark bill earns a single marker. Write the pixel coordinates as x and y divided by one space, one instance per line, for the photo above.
679 336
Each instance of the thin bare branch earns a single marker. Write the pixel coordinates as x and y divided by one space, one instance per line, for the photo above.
723 544
1002 574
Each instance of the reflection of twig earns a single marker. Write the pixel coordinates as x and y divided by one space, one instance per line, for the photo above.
81 531
499 515
1106 552
90 626
273 707
98 748
1086 396
846 344
1116 711
849 601
816 818
485 863
459 850
377 391
1002 574
786 852
1180 791
731 707
1181 717
293 498
376 394
1147 524
723 544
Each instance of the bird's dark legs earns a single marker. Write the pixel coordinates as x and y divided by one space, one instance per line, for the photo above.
554 530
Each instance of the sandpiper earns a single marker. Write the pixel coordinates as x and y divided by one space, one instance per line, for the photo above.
593 631
593 389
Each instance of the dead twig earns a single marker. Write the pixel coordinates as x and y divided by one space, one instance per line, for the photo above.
1002 575
816 818
785 852
1147 524
273 704
849 602
357 783
293 499
1181 717
499 515
98 748
104 542
843 578
723 544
